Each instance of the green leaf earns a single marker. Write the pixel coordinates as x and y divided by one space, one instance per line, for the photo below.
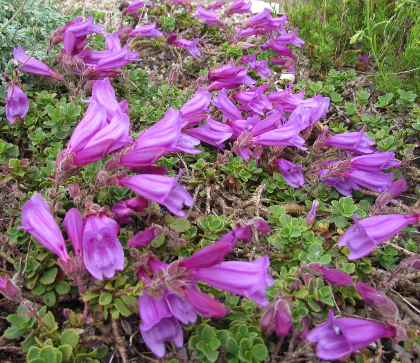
49 354
301 293
29 342
37 360
223 336
102 352
211 355
132 302
49 276
314 305
50 320
208 332
214 343
91 295
180 224
232 346
14 332
62 287
259 351
33 353
50 298
67 351
122 307
14 163
69 337
245 344
340 221
105 298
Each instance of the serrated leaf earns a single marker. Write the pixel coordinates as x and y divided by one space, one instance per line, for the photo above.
245 344
49 276
69 337
223 336
259 351
105 298
214 343
208 332
49 354
211 355
29 342
66 351
37 360
50 320
193 342
122 307
50 298
301 293
14 332
232 346
62 287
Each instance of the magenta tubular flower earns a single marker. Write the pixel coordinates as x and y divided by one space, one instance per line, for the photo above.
217 5
277 318
290 38
9 289
336 277
160 139
395 189
102 252
376 298
17 104
146 31
365 235
38 221
144 238
209 16
212 132
198 104
374 180
103 93
259 18
254 101
260 67
249 279
285 135
291 172
129 206
310 218
31 65
377 161
93 122
81 29
158 324
231 74
74 224
161 189
109 139
131 9
190 45
239 7
355 142
117 59
229 110
208 256
339 337
205 305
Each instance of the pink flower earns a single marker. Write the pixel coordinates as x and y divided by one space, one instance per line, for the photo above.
161 189
102 252
365 235
278 318
376 298
38 221
146 30
291 172
74 224
336 277
17 104
129 206
355 142
30 64
209 16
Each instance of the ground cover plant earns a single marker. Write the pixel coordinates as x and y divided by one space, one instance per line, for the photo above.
235 209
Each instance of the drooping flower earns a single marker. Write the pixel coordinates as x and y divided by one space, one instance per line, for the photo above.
30 64
377 161
339 337
336 277
148 30
198 104
209 16
292 173
310 218
102 252
395 189
249 279
230 74
190 45
38 221
260 67
278 317
239 7
17 104
126 207
376 298
132 8
74 224
161 189
229 110
365 235
355 142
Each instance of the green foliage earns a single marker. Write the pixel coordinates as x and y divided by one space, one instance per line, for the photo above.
29 28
